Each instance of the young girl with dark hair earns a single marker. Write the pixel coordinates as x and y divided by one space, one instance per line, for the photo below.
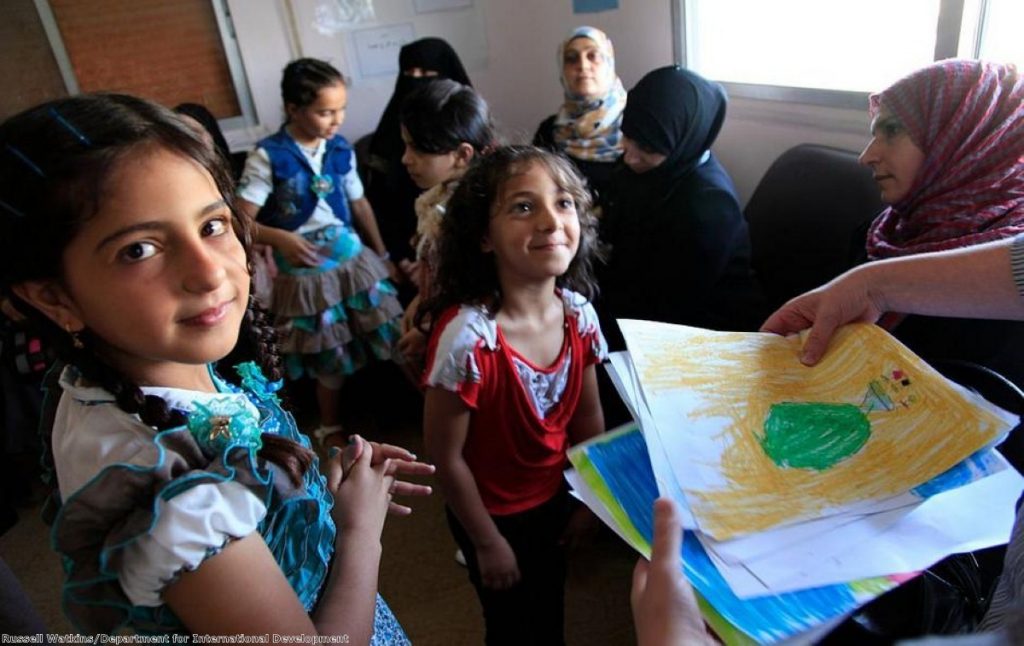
189 504
388 185
334 307
511 379
445 125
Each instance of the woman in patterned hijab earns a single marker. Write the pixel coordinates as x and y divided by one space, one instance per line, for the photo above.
966 121
586 127
947 151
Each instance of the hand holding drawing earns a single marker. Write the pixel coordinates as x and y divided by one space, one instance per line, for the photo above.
972 282
664 607
847 299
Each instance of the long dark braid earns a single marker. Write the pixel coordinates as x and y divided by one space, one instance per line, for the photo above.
258 342
54 162
152 410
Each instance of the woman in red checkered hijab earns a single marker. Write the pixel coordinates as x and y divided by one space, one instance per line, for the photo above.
947 151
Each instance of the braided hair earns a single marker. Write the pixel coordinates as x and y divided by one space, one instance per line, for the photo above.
54 160
303 79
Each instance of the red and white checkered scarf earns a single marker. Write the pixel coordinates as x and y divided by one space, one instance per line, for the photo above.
968 119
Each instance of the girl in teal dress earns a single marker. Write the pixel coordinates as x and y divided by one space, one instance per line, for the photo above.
190 503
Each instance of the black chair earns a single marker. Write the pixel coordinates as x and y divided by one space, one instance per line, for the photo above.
997 389
807 217
952 595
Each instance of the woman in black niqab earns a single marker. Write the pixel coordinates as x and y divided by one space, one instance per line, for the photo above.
388 186
679 246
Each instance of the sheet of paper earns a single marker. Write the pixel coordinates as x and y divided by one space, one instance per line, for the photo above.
821 531
587 496
780 541
758 440
377 48
623 376
728 632
970 518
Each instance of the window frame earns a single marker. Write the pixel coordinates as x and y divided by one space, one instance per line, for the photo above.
229 42
947 45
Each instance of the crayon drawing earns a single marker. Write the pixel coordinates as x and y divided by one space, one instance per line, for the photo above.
758 440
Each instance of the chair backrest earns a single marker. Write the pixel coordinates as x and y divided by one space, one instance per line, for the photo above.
997 389
804 219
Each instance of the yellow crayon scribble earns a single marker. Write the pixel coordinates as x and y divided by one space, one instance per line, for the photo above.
739 377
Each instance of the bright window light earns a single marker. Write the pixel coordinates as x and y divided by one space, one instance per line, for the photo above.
1001 37
854 45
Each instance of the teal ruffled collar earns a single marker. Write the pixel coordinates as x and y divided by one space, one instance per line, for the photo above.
227 418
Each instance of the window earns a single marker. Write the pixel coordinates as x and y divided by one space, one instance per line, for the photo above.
27 65
169 51
835 53
999 37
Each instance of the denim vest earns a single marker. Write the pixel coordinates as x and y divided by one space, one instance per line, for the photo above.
297 189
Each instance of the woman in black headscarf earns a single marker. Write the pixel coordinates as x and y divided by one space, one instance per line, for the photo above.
388 186
679 246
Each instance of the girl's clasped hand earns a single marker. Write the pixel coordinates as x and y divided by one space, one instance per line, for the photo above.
362 463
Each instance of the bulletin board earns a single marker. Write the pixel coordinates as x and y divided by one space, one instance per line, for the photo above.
363 37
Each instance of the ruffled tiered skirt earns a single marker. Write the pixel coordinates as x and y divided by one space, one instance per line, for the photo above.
334 318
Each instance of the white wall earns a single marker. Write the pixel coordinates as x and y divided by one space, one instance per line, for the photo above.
520 78
261 27
519 81
522 83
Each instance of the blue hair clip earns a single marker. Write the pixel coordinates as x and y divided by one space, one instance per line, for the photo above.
70 127
14 211
25 160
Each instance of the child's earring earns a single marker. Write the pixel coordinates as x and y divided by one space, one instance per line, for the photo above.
76 340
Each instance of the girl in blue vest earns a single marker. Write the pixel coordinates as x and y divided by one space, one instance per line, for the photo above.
334 308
